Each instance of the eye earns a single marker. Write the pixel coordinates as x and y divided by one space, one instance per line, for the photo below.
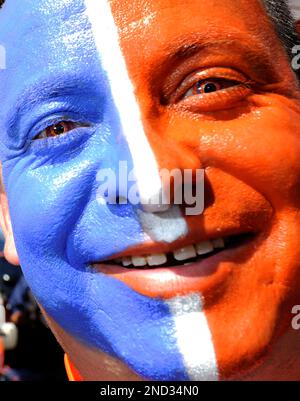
209 86
59 128
211 90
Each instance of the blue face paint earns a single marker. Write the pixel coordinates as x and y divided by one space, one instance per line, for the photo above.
54 73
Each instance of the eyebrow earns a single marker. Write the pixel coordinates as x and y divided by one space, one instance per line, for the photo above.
186 51
187 46
47 89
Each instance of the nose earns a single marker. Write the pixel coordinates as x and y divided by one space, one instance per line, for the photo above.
177 168
163 171
148 156
146 170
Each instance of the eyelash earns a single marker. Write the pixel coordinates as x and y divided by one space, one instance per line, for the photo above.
231 87
67 124
199 87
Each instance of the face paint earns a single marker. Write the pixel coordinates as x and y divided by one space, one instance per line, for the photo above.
104 66
71 164
113 63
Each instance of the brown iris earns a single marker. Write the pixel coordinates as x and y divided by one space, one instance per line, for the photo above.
202 87
60 128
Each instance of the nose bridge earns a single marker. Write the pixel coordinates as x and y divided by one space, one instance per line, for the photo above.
113 63
177 160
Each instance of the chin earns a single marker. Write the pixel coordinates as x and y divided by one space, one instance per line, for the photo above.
238 311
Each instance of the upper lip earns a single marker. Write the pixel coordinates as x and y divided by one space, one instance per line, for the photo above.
159 248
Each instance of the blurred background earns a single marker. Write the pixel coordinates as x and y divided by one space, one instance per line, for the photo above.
28 349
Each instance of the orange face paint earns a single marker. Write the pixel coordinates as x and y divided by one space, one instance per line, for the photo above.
246 137
211 95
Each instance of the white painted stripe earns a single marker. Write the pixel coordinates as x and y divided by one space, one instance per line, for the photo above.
107 42
194 337
145 165
163 227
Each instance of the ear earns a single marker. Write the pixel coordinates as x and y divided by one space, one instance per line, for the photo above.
10 252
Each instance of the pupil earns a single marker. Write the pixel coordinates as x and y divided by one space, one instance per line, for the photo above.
210 87
59 129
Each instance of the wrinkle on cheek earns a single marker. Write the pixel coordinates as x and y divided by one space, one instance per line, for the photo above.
49 206
264 151
260 147
276 100
66 177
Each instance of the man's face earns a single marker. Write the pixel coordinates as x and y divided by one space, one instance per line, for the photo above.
158 84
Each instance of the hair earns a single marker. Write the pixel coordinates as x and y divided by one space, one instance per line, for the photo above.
283 21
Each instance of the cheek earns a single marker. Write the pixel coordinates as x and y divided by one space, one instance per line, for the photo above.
61 216
49 187
44 201
260 147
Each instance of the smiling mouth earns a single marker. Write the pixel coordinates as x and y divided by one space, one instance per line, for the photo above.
180 268
184 256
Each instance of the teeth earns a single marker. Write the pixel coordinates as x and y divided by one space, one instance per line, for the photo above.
139 261
182 254
204 247
185 253
156 260
126 262
218 243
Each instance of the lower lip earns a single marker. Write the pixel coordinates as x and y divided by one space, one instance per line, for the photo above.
204 276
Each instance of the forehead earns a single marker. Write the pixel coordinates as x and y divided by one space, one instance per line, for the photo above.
46 39
132 14
64 25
